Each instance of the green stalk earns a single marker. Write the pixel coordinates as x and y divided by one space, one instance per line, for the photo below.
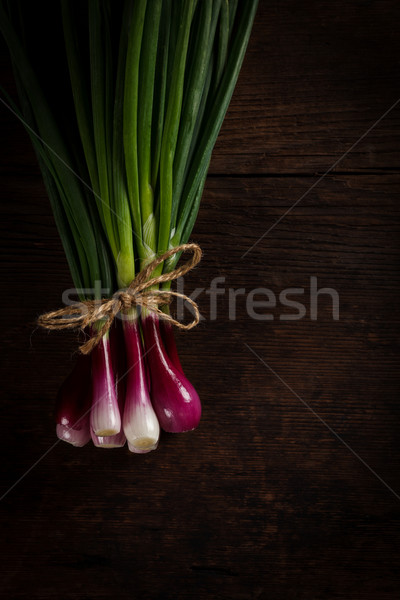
233 4
175 17
147 68
79 92
108 91
160 87
100 100
206 90
123 222
222 41
172 127
103 248
183 238
220 106
130 117
196 78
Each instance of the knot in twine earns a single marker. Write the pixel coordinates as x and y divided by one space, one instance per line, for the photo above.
138 293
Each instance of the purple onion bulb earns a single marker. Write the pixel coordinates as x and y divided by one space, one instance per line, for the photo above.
175 401
105 418
140 422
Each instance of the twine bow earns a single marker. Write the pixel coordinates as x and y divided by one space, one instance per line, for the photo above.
86 313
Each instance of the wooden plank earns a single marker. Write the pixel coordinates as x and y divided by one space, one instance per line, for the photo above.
262 501
316 77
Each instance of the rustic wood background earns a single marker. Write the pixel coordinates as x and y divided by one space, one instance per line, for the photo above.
290 487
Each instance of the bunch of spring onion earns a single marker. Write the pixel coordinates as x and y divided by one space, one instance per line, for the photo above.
123 102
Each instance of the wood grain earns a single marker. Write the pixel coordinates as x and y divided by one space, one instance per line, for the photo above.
317 76
263 501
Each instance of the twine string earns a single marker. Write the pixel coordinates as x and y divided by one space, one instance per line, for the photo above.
139 293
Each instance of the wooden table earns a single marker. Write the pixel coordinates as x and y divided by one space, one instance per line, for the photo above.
290 487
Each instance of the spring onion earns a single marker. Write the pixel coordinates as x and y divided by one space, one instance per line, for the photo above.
123 103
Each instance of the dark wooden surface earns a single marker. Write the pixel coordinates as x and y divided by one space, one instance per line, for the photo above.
263 501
